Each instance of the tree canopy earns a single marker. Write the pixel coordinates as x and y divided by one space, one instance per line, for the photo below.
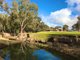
21 16
65 27
77 25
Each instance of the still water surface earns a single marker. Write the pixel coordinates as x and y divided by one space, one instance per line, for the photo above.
44 55
38 55
15 53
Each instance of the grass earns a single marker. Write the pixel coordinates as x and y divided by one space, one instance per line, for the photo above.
37 36
60 33
44 35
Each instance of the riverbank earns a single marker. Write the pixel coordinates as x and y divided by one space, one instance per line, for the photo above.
63 50
66 43
59 52
42 36
66 49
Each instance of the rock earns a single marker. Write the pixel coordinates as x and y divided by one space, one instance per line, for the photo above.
1 58
65 45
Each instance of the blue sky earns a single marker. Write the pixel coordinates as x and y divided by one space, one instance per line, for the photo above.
47 6
57 12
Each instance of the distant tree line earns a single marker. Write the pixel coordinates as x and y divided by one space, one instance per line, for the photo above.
75 27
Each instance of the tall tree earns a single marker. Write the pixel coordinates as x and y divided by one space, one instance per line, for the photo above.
20 14
65 27
77 25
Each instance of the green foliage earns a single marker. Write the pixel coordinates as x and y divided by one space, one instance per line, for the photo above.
1 2
65 27
22 16
77 25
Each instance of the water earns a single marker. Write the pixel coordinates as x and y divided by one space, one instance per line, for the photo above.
39 55
7 56
44 55
15 53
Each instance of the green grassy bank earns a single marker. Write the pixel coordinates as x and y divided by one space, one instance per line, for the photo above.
60 33
46 34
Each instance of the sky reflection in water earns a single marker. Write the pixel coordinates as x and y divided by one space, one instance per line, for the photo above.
44 55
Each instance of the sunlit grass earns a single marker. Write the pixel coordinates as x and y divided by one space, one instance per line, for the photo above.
44 35
37 36
60 32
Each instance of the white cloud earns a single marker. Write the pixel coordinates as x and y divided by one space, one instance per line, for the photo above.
60 17
65 15
72 2
47 21
74 5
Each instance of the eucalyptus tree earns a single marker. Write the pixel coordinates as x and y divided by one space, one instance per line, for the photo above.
65 27
77 25
1 20
58 27
21 13
34 25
